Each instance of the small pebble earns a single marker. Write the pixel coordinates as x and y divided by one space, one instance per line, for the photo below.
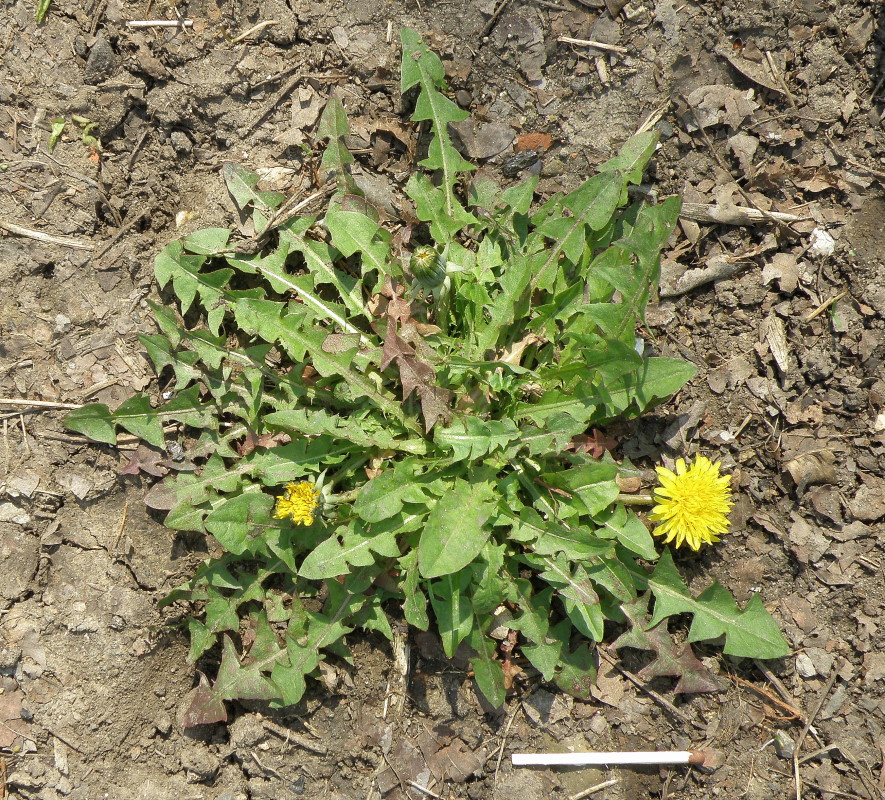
9 658
62 323
180 142
784 744
805 666
163 724
821 243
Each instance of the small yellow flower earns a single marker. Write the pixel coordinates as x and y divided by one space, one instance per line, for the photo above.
299 503
693 503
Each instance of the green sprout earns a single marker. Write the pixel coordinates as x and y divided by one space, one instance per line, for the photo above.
55 131
41 10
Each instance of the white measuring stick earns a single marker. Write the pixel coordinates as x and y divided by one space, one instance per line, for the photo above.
614 758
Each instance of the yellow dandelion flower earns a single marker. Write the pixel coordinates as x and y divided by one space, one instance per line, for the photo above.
692 503
298 503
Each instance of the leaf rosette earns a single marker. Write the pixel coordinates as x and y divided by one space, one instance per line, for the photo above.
434 429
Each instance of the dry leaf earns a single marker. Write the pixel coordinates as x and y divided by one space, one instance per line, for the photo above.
757 69
610 687
544 708
815 466
456 762
775 334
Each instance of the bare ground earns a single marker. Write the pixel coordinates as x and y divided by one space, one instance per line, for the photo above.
775 108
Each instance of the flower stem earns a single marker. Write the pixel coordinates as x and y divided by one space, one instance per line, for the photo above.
636 499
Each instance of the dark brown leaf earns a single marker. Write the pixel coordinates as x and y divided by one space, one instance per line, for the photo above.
146 459
160 497
596 444
394 346
12 725
436 404
677 660
204 708
414 374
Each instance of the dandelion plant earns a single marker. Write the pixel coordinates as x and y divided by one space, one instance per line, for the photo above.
378 419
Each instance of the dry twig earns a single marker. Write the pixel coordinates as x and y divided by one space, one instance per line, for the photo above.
254 29
489 26
64 241
808 723
794 712
504 741
160 23
593 789
825 305
733 215
45 404
613 48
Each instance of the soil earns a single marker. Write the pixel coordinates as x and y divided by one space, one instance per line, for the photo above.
773 106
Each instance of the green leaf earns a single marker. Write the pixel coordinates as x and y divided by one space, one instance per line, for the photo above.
593 485
333 126
627 528
670 658
612 575
750 633
359 431
471 438
188 282
492 584
237 518
41 10
514 282
383 496
238 681
242 183
486 670
657 379
295 333
319 259
593 204
282 282
452 608
519 197
421 67
552 439
371 617
414 599
633 156
58 124
95 421
575 586
223 594
455 531
207 242
577 670
352 545
533 621
549 537
138 417
431 205
323 630
642 387
582 605
354 232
